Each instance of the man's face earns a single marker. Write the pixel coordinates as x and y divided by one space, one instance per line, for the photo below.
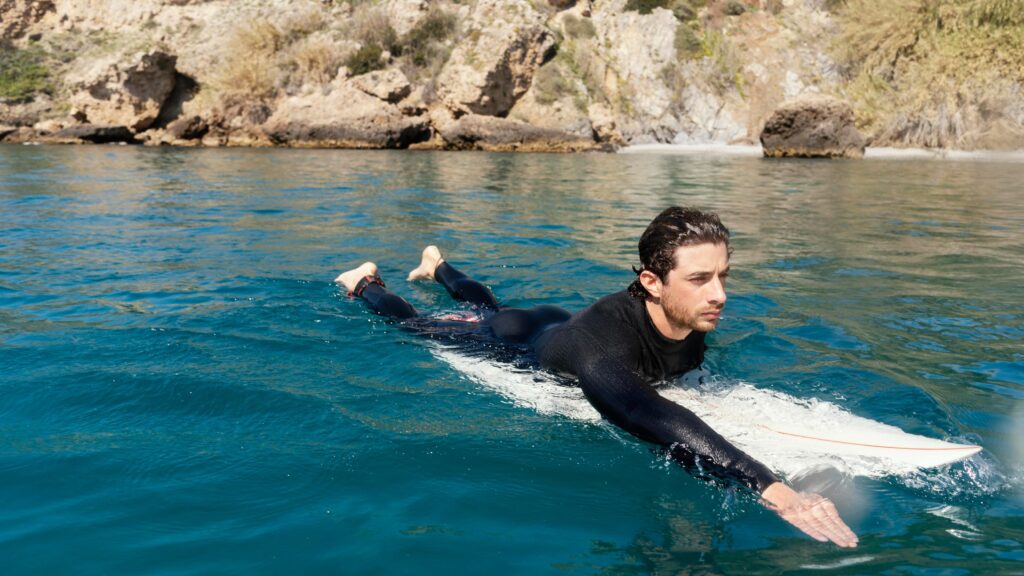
693 293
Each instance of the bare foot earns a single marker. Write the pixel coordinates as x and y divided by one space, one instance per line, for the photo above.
352 277
430 261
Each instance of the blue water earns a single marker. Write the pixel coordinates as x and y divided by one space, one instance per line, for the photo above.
184 391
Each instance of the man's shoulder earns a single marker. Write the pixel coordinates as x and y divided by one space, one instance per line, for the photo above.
619 306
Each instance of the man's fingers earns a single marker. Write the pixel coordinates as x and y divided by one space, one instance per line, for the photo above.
798 519
819 520
843 528
831 525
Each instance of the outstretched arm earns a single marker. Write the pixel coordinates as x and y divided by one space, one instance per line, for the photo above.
621 396
627 401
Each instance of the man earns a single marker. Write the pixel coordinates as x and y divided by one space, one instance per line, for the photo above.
618 346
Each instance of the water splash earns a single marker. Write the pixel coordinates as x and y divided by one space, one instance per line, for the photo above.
730 407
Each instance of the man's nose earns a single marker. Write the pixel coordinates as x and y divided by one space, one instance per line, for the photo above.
717 295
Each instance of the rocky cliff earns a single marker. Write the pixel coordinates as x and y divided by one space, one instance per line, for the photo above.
504 74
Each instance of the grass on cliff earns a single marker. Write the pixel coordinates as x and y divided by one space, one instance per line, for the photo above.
23 73
935 73
266 58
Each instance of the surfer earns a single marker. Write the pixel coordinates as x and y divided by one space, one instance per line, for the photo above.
617 347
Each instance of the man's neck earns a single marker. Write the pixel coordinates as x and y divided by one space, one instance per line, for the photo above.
661 323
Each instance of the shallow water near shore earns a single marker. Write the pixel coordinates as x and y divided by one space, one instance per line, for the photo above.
184 391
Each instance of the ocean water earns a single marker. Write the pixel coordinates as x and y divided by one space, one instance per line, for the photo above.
183 390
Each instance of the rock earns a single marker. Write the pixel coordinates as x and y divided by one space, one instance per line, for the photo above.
347 117
129 94
389 85
20 135
48 127
639 48
567 113
405 14
413 104
493 66
191 128
812 127
95 134
16 16
5 130
25 113
476 132
603 122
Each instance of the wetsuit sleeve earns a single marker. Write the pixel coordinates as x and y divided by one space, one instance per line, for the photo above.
625 399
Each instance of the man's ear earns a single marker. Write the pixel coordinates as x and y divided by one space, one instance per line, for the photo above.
650 281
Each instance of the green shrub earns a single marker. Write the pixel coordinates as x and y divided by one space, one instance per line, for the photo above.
423 44
22 73
646 6
366 59
682 9
735 8
688 42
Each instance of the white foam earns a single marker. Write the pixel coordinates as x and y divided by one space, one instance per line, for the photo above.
731 408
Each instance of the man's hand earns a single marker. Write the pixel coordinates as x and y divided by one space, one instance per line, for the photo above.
814 514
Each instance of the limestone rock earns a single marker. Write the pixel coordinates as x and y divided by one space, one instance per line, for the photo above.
638 48
493 66
565 114
20 135
389 85
812 127
95 134
5 130
602 120
345 118
476 132
25 113
16 16
190 128
405 14
48 127
129 94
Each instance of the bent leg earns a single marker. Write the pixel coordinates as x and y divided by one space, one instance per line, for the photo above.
464 288
363 282
459 286
383 302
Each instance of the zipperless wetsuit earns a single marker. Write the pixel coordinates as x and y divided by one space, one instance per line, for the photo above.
613 348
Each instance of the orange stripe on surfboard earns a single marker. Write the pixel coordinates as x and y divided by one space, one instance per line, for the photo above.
963 447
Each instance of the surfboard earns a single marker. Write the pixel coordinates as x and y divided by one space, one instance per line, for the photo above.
790 435
778 426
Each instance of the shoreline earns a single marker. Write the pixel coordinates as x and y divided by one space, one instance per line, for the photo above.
733 150
879 153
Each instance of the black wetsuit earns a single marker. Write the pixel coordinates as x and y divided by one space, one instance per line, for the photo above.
616 352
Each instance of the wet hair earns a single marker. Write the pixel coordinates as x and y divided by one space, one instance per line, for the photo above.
674 227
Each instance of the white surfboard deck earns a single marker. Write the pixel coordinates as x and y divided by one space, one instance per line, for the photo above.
788 434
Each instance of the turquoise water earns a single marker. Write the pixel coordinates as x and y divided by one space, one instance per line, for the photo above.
184 391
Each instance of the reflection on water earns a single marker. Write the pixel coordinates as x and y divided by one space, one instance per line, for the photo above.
176 358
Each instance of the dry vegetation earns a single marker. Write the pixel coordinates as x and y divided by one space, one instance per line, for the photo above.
937 73
265 59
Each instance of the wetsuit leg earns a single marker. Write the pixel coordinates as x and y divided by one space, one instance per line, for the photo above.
525 325
383 302
464 288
